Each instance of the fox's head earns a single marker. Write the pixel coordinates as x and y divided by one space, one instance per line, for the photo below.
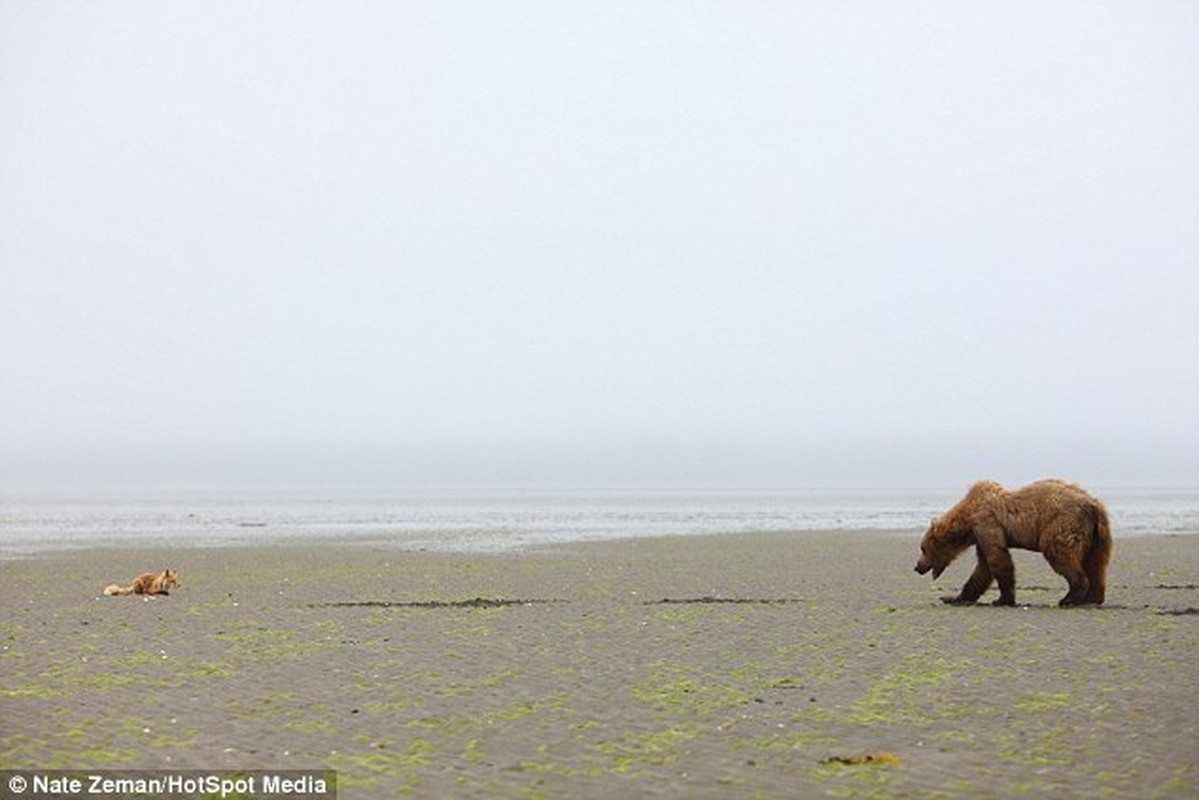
170 578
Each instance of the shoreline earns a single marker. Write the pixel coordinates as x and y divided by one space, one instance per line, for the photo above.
697 665
499 520
385 544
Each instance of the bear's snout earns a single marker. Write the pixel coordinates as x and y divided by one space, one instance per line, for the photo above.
923 565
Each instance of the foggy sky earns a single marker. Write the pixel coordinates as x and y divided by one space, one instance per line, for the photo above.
643 243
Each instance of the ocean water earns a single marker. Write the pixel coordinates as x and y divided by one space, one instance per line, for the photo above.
489 521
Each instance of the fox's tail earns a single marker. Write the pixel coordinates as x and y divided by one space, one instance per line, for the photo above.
114 589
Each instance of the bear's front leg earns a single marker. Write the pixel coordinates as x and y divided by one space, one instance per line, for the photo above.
999 559
992 548
978 582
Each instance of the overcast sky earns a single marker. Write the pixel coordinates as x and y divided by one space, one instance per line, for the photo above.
580 243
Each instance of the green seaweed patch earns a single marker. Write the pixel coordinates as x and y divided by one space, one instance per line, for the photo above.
676 689
784 741
473 752
462 688
1045 701
19 751
486 719
260 643
519 709
111 681
1056 746
397 703
310 726
552 768
449 725
364 769
32 689
99 756
653 749
208 669
677 614
872 781
470 632
901 696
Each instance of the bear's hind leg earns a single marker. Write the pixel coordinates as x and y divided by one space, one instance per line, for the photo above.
1095 567
1068 563
1098 580
1077 594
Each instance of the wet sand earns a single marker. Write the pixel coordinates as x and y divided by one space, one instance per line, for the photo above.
723 666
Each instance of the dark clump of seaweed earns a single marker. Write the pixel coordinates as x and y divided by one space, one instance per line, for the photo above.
475 602
707 600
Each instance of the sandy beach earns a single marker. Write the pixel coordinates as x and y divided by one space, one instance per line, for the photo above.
702 666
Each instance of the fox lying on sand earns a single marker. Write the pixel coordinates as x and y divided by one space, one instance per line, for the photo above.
147 584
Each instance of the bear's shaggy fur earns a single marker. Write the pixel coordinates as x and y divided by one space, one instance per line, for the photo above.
1058 519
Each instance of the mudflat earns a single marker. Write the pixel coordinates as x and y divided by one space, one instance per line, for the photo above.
754 665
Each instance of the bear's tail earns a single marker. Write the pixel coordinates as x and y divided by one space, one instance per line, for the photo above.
1099 555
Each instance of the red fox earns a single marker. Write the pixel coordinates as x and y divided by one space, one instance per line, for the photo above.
147 584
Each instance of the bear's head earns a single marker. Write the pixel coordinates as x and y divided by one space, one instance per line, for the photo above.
942 543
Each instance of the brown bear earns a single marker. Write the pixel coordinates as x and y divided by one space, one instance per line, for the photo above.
1059 519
